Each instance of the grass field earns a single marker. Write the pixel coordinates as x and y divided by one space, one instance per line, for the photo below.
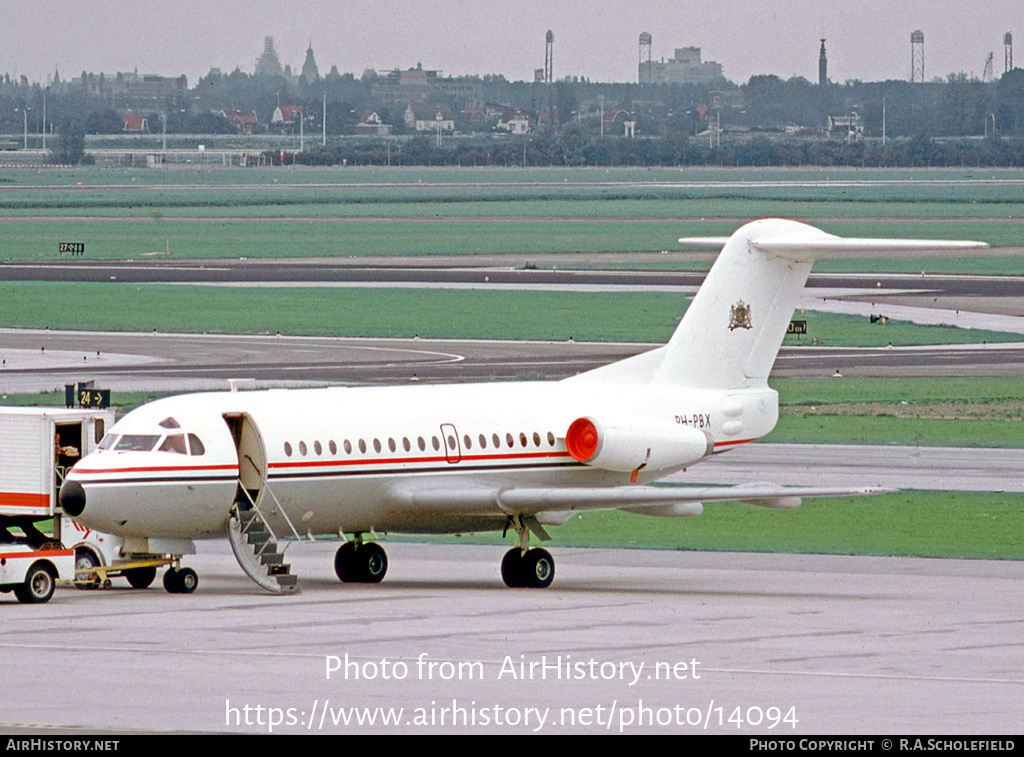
920 524
339 311
325 212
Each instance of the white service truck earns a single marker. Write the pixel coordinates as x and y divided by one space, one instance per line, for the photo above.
37 447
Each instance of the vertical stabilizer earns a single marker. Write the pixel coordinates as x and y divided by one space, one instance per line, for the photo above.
732 331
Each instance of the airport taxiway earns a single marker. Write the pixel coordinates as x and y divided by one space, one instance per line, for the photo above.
728 643
36 360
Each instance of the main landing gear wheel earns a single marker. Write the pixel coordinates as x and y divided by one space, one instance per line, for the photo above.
38 586
361 562
180 580
533 570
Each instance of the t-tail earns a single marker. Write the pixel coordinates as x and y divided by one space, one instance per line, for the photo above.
733 328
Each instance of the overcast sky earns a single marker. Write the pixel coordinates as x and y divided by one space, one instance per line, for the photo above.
866 39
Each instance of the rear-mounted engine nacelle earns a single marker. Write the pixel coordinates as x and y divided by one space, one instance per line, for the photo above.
622 447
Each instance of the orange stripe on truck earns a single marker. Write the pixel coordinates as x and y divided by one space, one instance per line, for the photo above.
16 499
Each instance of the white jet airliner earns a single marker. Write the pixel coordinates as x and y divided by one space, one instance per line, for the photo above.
263 465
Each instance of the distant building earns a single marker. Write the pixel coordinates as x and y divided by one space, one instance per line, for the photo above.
429 117
286 117
417 85
849 127
685 68
268 64
131 91
135 124
371 123
245 121
310 72
516 121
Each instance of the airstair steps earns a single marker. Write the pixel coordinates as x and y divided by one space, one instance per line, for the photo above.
255 549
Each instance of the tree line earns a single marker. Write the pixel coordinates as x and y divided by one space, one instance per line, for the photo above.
768 121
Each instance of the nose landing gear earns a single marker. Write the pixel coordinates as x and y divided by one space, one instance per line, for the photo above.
180 580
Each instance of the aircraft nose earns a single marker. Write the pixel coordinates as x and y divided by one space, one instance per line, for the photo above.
72 498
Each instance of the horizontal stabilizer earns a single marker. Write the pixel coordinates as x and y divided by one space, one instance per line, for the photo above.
813 243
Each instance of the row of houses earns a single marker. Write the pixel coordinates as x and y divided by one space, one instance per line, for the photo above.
417 117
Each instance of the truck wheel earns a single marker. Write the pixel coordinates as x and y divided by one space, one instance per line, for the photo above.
85 559
39 584
140 578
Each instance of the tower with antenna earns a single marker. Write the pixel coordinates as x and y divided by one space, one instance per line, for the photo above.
822 66
645 58
549 56
917 56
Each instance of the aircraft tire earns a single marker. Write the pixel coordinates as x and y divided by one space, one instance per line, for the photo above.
344 562
366 563
180 580
171 581
539 568
534 570
512 569
373 563
39 584
187 581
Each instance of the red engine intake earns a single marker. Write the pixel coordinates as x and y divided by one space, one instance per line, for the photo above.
643 443
582 439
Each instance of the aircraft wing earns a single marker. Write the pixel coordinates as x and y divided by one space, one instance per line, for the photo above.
657 500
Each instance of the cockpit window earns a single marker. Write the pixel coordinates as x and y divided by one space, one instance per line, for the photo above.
107 441
195 445
174 443
169 423
136 443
